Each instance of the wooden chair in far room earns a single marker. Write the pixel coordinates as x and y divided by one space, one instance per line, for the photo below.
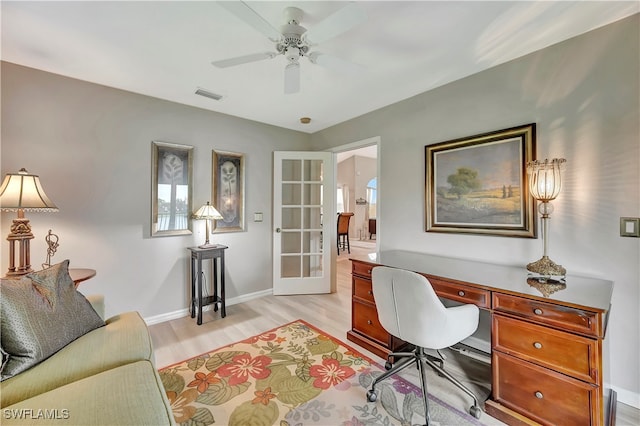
343 231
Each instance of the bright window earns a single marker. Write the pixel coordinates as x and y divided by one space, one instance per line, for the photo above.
372 189
340 198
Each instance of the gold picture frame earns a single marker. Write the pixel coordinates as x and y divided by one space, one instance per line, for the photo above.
478 184
171 189
227 185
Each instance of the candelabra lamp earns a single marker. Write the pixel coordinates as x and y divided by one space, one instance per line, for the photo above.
207 212
545 183
21 192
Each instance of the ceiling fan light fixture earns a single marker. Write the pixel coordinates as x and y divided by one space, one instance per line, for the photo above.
292 54
294 41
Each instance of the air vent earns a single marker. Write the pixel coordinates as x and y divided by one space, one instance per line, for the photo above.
207 94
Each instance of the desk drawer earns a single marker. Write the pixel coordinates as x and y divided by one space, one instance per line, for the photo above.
461 293
542 395
365 321
564 352
570 319
361 269
363 289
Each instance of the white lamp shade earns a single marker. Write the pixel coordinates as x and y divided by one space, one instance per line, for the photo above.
23 191
207 212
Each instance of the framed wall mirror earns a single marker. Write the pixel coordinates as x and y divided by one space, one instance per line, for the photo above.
171 189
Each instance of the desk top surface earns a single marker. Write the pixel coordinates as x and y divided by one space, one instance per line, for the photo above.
583 291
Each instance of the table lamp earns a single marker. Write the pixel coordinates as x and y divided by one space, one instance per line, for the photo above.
545 183
22 192
207 212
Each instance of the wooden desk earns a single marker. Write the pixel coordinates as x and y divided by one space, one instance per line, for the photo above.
216 254
546 341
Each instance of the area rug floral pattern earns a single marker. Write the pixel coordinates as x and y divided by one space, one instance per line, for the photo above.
290 376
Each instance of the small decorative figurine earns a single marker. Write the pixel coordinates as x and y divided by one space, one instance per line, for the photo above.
52 246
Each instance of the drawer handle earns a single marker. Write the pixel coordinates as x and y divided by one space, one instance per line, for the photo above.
370 293
537 311
461 293
369 322
537 345
368 271
539 395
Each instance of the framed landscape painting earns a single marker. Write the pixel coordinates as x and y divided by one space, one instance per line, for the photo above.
478 184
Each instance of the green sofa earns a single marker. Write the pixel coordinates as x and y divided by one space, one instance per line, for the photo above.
105 377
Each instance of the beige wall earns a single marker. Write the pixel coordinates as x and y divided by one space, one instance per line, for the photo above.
584 96
91 146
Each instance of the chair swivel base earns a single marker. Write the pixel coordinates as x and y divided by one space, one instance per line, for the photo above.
422 359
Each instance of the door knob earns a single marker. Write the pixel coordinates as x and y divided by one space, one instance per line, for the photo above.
278 230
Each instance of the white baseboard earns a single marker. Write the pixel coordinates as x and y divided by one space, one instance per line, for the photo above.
156 319
627 397
480 344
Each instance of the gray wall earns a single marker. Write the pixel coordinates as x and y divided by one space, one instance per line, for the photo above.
584 96
91 146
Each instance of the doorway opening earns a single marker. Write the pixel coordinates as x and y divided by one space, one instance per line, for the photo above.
357 169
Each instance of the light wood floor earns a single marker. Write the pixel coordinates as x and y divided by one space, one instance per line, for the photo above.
182 338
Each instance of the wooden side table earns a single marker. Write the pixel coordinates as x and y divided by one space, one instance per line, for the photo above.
216 254
79 275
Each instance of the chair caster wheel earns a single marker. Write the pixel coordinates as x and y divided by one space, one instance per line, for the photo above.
371 396
475 411
388 365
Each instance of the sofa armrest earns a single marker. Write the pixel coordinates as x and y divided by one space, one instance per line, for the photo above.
97 301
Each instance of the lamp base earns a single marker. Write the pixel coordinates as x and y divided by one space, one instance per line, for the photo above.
208 245
546 268
20 234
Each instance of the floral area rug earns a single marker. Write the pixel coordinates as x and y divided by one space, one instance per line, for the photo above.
294 375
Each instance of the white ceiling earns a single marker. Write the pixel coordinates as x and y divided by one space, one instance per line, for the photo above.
164 49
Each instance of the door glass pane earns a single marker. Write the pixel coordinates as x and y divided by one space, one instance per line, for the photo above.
312 194
312 218
312 266
312 242
291 170
312 170
291 194
291 218
290 267
290 242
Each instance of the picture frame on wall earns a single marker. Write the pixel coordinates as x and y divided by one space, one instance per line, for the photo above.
171 189
227 183
478 184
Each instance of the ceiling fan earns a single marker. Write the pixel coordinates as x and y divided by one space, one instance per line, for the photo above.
294 41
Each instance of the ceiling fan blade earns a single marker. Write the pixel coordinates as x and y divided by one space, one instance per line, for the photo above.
335 63
292 78
231 62
336 24
251 17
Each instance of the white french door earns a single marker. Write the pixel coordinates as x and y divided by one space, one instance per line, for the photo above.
303 192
